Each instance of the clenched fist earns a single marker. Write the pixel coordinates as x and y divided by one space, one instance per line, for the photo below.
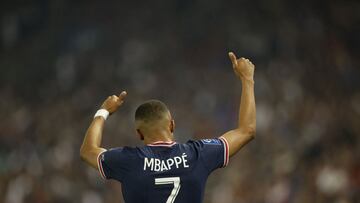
243 68
112 103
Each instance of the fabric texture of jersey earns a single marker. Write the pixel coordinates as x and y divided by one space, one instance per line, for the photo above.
164 171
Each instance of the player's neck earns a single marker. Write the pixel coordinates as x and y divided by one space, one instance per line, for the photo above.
159 137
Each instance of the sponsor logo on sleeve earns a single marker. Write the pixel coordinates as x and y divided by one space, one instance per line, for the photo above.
211 141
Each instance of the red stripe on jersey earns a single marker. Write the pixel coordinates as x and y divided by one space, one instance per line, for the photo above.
162 144
100 166
226 151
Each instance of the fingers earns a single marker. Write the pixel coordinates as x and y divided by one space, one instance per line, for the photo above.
233 58
242 59
118 98
122 95
249 62
246 60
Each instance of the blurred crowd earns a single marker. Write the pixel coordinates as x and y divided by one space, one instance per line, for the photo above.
60 59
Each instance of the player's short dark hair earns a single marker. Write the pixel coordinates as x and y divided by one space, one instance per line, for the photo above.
151 110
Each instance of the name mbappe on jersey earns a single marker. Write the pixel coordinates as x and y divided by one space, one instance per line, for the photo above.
157 165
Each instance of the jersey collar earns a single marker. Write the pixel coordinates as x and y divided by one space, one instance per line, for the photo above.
162 144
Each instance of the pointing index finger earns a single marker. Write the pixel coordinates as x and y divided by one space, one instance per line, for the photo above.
122 94
232 58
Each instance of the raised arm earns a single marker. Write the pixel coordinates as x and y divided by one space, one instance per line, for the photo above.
245 131
90 148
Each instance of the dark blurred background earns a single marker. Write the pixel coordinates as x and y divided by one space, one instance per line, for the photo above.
60 59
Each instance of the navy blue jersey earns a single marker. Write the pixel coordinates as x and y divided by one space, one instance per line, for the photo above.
164 172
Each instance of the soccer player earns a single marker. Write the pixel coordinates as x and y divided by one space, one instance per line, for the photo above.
163 170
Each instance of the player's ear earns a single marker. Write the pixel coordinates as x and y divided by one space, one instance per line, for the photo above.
138 132
172 126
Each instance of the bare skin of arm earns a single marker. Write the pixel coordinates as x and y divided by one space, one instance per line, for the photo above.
245 132
90 149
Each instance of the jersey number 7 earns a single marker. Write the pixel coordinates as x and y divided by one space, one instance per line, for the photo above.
170 180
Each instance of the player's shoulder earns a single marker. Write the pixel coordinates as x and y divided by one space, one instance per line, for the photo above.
199 144
121 151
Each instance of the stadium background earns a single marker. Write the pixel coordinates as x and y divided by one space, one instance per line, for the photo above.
60 59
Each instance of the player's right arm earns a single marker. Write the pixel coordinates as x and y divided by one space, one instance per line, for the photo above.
245 131
91 146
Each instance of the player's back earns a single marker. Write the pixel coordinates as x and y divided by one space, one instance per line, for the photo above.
164 172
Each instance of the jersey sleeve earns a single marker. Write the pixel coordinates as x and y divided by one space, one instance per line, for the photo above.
112 163
214 153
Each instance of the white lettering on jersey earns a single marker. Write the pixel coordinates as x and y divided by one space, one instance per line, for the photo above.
184 160
157 165
164 165
148 163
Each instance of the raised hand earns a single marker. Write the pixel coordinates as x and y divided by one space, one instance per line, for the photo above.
112 103
243 67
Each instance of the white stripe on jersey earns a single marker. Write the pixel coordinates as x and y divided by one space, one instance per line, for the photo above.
102 174
226 151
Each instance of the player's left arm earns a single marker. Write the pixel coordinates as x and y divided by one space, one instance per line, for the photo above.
90 148
237 138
